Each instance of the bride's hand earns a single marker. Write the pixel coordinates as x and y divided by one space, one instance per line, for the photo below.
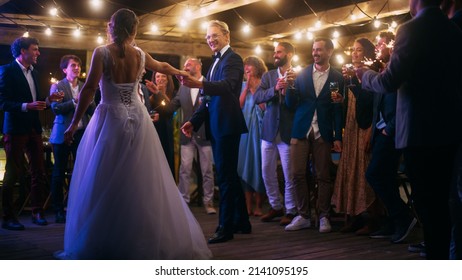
69 134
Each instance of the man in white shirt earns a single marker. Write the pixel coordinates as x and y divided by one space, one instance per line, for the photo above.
189 99
317 129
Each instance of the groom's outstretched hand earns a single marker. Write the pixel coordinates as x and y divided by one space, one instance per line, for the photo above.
187 129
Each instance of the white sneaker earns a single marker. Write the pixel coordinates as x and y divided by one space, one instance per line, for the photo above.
298 223
324 225
209 209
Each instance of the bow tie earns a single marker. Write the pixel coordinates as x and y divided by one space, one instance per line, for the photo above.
218 55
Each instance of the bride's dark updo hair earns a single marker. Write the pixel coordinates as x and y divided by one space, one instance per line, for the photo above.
123 23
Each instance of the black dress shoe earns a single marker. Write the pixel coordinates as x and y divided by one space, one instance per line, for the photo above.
38 218
247 229
220 236
12 224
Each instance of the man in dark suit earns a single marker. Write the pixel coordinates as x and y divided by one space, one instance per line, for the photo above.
428 115
188 100
20 99
453 8
383 166
276 129
222 115
316 130
64 111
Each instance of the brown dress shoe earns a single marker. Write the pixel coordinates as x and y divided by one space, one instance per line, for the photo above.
272 214
287 219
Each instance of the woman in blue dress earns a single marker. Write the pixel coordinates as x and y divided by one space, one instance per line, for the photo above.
249 165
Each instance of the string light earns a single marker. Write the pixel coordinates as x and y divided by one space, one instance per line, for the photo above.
309 35
183 23
77 32
340 59
336 34
318 24
298 35
54 12
203 9
377 23
96 4
26 34
154 27
258 49
99 39
295 58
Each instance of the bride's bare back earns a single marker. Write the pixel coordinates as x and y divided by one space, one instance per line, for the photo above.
125 69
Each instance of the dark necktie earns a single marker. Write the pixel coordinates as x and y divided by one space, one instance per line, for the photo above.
215 56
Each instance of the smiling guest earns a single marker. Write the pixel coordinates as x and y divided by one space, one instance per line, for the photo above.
21 101
69 86
224 123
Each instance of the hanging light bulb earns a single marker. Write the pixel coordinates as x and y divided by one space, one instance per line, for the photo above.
99 39
77 32
318 24
336 34
54 12
394 24
246 28
48 31
309 35
298 35
275 43
96 4
258 49
377 23
26 34
295 58
154 28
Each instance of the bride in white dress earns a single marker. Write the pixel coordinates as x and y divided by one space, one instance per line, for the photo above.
123 202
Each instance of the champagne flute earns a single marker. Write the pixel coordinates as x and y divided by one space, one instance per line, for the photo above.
349 68
334 88
292 81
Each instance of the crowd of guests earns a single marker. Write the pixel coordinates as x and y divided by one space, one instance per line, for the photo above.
381 116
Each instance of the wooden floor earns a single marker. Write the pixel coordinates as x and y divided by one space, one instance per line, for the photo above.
267 241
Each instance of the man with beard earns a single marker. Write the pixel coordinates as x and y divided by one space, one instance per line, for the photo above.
317 128
276 129
188 99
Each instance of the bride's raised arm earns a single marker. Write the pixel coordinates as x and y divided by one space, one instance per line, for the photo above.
162 67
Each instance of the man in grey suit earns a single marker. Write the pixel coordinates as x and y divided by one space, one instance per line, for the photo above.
189 100
428 112
276 129
64 111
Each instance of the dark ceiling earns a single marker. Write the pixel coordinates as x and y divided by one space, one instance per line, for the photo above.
269 19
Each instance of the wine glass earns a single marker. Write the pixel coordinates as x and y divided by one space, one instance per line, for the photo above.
290 82
349 68
334 88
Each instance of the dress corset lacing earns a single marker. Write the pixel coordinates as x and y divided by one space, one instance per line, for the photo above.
126 98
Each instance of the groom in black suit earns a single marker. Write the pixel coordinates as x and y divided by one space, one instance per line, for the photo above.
224 123
428 112
21 101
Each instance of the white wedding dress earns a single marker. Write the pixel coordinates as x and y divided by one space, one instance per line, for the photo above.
123 202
